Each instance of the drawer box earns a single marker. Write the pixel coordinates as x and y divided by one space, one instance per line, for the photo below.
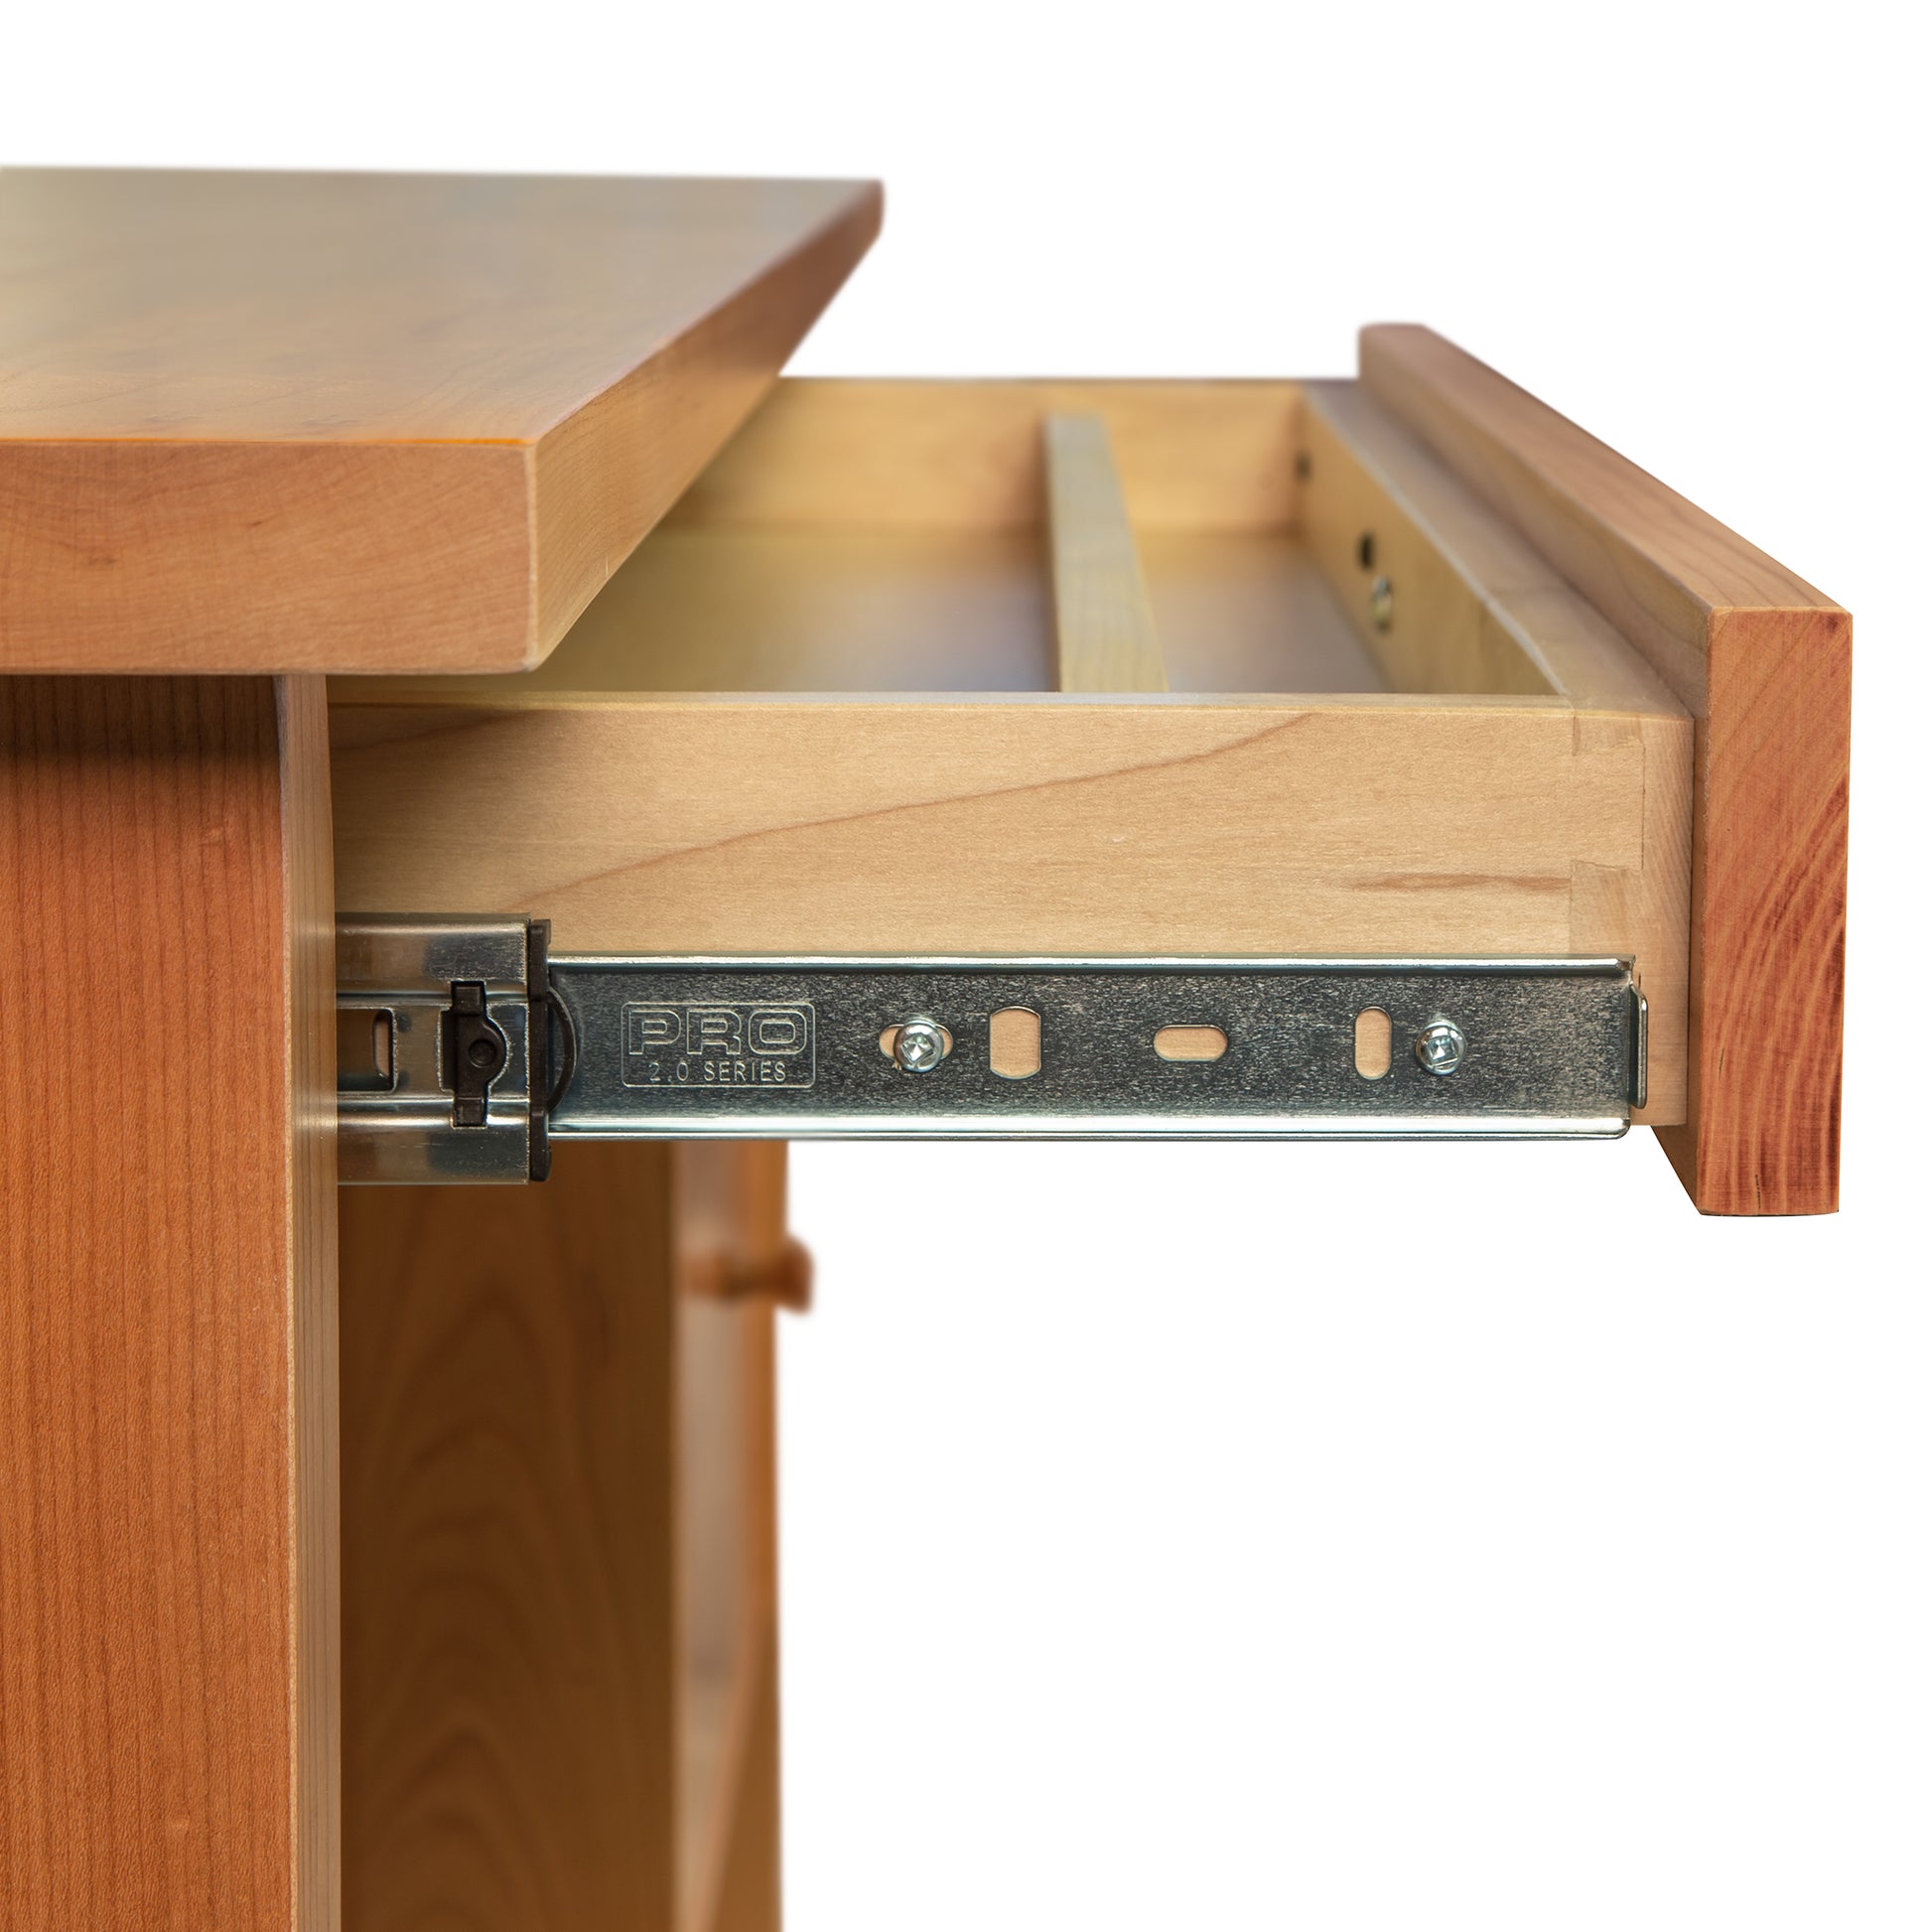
678 660
821 710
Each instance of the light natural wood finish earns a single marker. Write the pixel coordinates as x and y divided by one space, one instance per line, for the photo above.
1190 1042
1652 562
1373 1036
168 1553
1103 625
1438 633
862 536
747 609
731 607
934 456
1763 662
1366 825
1067 827
1242 612
279 422
559 1558
1012 1043
1475 608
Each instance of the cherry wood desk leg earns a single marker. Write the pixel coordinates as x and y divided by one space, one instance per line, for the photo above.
559 1555
167 1634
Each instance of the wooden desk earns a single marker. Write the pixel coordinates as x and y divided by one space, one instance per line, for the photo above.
417 1559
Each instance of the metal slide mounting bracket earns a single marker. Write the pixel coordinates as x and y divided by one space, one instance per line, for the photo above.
477 1016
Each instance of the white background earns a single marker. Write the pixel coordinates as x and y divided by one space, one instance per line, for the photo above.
1330 1537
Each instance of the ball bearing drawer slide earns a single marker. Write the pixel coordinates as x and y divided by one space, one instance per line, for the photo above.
465 1050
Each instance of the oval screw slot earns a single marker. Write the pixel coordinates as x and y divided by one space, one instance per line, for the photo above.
1373 1050
1190 1042
1014 1042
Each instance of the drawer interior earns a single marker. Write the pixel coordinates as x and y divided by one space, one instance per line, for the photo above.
901 537
1060 669
904 538
745 607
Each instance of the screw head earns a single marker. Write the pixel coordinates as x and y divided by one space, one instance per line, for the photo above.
1380 602
918 1045
1440 1046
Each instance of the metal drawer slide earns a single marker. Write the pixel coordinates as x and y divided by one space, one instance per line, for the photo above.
465 1050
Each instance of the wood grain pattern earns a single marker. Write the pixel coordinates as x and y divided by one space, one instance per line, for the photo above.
1103 624
751 1896
1651 561
775 824
1763 663
1771 821
167 1281
1364 825
727 1601
559 1547
1475 607
733 1249
932 456
1243 612
509 1593
278 422
1435 630
706 608
309 900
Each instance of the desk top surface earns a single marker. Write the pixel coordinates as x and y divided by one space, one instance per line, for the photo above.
258 421
260 307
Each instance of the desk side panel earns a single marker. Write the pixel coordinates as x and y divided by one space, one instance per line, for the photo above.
167 1635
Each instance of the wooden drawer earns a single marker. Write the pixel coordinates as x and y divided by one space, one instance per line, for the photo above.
835 705
1401 667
